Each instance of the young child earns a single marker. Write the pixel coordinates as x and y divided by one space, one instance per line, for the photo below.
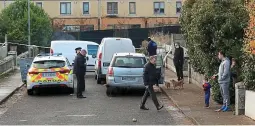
207 87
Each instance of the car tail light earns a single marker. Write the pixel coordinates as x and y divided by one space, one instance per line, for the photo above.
51 51
99 60
66 71
33 73
110 71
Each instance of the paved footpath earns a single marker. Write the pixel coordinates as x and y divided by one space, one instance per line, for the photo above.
9 83
191 102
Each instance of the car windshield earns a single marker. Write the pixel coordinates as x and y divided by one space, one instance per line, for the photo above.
46 64
129 62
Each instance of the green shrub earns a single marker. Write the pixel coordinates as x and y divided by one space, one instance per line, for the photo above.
210 26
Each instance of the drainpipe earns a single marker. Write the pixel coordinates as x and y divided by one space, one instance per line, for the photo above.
99 15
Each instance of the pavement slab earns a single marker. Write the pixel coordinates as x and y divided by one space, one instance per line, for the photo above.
9 84
190 101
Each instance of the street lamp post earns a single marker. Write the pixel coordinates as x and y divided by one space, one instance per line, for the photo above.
28 22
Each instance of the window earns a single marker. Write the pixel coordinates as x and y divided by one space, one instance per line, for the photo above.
110 26
87 28
92 49
159 7
135 26
45 64
65 7
178 6
112 7
129 62
85 7
39 4
132 8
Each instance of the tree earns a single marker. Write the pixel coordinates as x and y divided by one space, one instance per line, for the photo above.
248 67
15 20
210 26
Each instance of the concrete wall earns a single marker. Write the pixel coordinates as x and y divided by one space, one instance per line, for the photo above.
250 104
3 52
7 64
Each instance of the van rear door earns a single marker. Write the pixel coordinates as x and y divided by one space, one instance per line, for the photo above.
92 55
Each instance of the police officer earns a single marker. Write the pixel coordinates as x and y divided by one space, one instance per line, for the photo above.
79 71
77 50
150 78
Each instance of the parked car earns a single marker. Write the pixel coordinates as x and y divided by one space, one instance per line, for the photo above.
49 71
67 48
107 48
125 71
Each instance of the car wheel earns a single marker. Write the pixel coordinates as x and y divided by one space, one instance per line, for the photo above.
110 92
71 90
95 77
99 80
30 92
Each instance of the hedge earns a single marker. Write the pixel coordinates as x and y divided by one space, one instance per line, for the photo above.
209 26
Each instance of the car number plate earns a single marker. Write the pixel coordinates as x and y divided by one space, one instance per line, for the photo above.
128 78
49 74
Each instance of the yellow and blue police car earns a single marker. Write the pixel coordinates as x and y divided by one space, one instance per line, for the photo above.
48 71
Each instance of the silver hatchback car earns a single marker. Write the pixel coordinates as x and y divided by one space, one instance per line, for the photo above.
125 71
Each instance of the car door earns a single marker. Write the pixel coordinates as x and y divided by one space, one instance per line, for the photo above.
160 69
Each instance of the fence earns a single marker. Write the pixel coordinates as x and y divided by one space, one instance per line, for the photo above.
9 63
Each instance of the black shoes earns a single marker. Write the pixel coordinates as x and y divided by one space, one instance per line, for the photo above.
160 107
143 108
81 96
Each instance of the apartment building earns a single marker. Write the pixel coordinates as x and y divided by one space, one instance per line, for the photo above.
85 15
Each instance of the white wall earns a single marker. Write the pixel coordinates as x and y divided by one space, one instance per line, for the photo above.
250 104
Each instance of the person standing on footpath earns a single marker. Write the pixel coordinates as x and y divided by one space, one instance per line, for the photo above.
224 80
150 78
79 71
152 47
178 60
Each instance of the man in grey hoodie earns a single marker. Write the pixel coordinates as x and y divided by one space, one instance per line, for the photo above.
224 80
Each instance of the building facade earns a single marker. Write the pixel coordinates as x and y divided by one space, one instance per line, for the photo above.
85 15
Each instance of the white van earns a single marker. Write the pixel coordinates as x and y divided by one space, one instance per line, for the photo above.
67 48
106 49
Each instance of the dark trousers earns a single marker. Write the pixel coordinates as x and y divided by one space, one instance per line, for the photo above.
179 71
149 91
207 98
80 84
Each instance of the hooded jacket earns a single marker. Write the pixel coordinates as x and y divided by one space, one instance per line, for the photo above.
224 71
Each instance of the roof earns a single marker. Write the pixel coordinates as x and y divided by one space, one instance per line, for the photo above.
133 54
110 38
74 41
43 58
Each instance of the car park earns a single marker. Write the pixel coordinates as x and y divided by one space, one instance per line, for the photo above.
106 49
48 71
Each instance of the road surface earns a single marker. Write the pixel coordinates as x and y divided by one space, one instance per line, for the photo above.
97 109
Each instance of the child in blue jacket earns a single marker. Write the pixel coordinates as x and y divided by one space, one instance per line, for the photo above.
207 87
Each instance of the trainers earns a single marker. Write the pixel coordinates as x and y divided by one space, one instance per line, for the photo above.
222 108
225 109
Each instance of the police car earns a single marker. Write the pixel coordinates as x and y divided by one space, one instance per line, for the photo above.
49 71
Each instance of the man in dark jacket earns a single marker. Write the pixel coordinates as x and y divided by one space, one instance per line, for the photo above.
178 60
79 71
150 78
152 47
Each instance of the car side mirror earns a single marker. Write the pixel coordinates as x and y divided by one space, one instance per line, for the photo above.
87 58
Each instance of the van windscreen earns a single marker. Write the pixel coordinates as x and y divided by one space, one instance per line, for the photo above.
92 49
